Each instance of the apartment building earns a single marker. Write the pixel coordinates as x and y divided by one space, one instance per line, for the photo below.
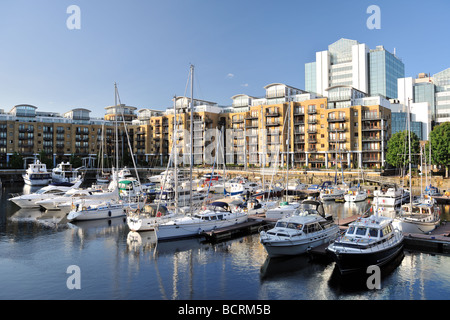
286 125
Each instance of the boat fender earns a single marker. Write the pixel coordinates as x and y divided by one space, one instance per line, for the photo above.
109 213
159 214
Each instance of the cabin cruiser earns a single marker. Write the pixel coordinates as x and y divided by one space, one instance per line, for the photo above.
368 241
297 234
63 174
47 192
75 195
145 218
355 194
283 210
37 174
295 187
391 195
331 193
100 210
218 214
418 218
167 196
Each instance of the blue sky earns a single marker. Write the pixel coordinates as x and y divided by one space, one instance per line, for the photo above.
236 46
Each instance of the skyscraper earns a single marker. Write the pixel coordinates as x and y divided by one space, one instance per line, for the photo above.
348 62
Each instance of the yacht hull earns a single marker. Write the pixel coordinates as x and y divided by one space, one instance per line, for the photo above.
414 227
297 247
353 262
186 230
96 214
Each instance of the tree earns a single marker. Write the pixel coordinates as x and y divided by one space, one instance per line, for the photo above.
397 148
440 146
16 161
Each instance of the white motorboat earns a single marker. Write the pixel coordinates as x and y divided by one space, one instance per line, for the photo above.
296 186
297 234
76 195
355 194
146 217
218 214
283 210
391 195
37 174
102 210
367 241
47 192
64 174
167 197
234 188
418 218
331 193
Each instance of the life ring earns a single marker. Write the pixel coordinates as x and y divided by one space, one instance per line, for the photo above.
159 214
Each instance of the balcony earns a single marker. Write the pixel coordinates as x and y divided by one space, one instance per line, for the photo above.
312 111
371 139
337 139
339 129
252 116
299 111
336 119
237 120
371 128
272 123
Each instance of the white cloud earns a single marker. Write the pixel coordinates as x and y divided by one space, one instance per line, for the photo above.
244 85
230 76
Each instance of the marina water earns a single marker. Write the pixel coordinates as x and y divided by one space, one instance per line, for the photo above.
36 250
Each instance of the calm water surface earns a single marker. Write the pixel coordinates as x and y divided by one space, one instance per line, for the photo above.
36 250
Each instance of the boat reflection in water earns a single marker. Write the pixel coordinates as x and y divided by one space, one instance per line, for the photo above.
358 282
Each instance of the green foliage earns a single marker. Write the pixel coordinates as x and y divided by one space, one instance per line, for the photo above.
440 144
46 159
16 161
397 148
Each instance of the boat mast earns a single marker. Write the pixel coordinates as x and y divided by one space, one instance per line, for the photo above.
409 156
175 151
287 150
117 129
192 137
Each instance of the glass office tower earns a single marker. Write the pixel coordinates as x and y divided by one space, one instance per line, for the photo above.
384 70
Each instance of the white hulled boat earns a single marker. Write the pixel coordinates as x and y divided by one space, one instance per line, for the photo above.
355 194
102 210
391 195
218 214
47 192
299 233
37 174
146 217
331 193
418 218
283 210
64 174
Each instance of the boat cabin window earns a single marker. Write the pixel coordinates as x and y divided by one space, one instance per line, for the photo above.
361 231
313 227
219 217
290 225
373 232
386 230
351 230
